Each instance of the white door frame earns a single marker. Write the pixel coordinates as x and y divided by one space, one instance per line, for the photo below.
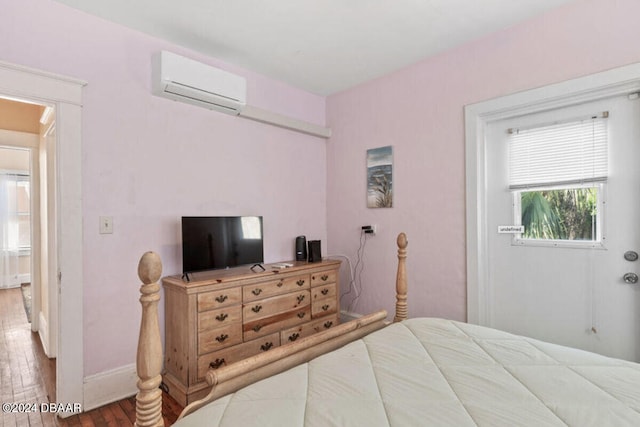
618 81
66 95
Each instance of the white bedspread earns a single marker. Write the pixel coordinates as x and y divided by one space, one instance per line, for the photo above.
434 372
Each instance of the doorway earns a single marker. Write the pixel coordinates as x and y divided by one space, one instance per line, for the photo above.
624 83
568 177
65 94
27 269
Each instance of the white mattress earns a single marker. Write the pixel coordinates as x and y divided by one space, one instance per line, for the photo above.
434 372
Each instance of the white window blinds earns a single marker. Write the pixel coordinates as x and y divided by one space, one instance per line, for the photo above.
559 154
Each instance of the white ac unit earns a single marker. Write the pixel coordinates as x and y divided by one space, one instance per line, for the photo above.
183 79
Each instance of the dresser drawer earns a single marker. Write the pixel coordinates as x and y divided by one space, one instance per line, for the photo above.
224 357
295 333
221 317
323 307
217 299
269 307
216 339
275 323
275 287
323 277
324 291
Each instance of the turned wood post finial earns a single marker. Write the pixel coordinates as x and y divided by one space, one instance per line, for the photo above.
401 279
149 357
149 268
402 243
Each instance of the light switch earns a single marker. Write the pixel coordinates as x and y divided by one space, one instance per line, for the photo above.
106 225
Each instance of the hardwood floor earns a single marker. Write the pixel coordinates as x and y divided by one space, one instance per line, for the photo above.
28 376
121 413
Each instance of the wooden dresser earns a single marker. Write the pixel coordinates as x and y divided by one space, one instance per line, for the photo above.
221 317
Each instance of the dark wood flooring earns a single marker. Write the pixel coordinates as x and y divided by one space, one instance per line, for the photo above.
27 375
121 413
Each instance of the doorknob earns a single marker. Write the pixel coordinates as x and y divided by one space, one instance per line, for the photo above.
631 256
630 278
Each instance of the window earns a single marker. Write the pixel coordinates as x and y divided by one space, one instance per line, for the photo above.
15 204
569 213
557 176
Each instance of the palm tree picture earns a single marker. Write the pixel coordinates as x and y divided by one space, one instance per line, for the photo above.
380 177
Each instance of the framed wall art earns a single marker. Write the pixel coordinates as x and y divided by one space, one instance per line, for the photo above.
380 177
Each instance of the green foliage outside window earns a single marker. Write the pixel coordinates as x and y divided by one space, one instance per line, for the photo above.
565 214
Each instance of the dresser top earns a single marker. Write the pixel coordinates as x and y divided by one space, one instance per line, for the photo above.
237 275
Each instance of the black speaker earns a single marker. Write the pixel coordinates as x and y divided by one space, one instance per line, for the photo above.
301 248
314 251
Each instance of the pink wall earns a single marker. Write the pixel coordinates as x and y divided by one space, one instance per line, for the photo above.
420 111
148 160
145 157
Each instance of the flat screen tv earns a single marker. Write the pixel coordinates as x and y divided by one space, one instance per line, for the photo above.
216 242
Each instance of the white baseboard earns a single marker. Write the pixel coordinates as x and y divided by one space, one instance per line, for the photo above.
16 281
43 331
110 386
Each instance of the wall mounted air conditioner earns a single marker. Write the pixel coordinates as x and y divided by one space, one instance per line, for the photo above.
183 79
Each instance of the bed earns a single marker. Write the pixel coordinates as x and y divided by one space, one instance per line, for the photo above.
412 372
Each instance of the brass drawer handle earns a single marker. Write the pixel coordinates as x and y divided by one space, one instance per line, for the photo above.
257 291
300 282
257 328
280 283
221 298
222 337
294 336
217 363
301 314
328 324
325 307
257 308
324 291
266 346
324 277
300 298
221 317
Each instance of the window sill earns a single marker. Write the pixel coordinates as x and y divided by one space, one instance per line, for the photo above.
571 244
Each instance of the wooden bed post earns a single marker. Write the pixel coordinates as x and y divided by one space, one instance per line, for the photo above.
149 358
401 280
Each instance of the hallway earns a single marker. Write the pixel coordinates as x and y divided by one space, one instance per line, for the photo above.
26 374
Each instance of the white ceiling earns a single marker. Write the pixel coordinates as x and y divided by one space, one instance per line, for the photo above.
322 46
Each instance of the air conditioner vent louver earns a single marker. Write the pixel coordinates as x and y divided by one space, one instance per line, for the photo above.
180 91
186 80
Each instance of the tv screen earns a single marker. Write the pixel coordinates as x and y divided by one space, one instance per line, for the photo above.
216 242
